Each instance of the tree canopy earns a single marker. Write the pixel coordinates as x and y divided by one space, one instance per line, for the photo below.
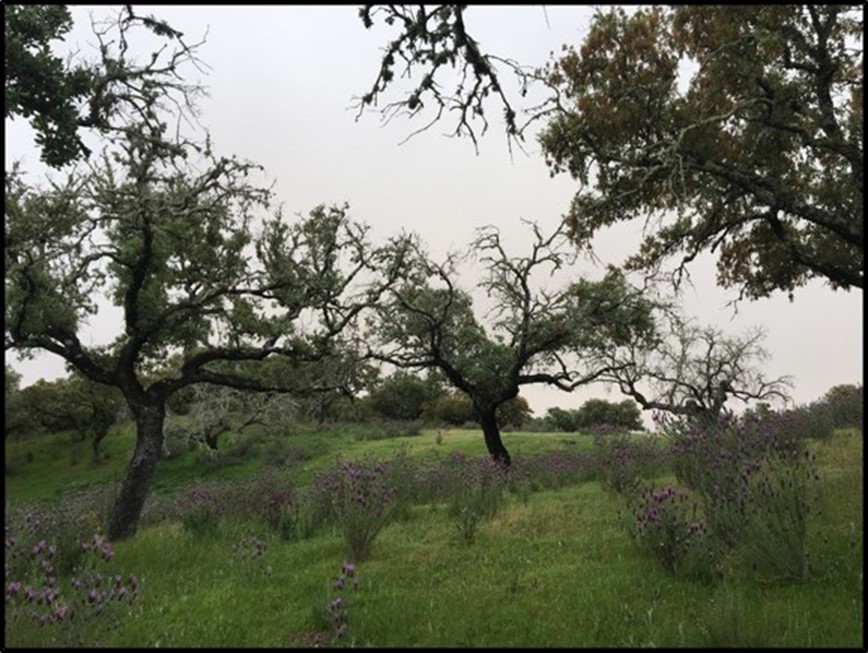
61 99
535 335
693 371
187 247
735 130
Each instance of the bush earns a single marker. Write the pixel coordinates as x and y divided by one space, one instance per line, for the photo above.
362 502
199 512
477 491
668 526
622 460
622 415
753 478
62 610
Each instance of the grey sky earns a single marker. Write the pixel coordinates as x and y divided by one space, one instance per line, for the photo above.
281 84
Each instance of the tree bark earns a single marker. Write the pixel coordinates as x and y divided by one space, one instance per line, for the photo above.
127 509
493 441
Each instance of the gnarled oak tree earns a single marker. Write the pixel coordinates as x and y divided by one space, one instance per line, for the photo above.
535 335
178 239
729 129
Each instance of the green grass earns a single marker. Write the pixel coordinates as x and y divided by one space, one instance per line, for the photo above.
555 571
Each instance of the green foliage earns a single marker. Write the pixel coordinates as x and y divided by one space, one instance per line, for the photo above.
732 151
403 395
599 412
451 408
39 86
562 420
420 589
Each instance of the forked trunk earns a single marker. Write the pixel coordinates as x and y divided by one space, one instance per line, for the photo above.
127 509
493 441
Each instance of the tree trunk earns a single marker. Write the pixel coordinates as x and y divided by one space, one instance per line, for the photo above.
99 434
127 509
493 442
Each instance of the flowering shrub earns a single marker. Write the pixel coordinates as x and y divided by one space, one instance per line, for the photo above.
666 524
362 502
199 512
780 498
623 460
553 469
477 491
753 477
37 594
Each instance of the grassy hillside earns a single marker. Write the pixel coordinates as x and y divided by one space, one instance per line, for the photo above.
553 566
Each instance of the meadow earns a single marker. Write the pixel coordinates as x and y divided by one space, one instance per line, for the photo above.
336 537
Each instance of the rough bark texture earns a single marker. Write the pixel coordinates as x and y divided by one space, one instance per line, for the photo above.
493 441
124 519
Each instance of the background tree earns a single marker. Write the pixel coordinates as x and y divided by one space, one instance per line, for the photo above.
735 129
845 404
164 229
215 411
403 395
595 413
452 408
535 336
17 420
692 372
559 419
60 99
70 404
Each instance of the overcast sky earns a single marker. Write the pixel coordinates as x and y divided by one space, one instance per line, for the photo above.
281 86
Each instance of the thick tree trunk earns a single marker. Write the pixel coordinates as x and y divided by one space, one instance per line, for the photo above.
127 509
493 442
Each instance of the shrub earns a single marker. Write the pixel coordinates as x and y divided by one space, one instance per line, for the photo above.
36 595
776 532
623 460
553 469
753 478
667 525
199 512
477 491
362 502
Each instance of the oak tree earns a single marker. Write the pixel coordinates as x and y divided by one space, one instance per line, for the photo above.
181 241
62 99
730 129
693 372
535 335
